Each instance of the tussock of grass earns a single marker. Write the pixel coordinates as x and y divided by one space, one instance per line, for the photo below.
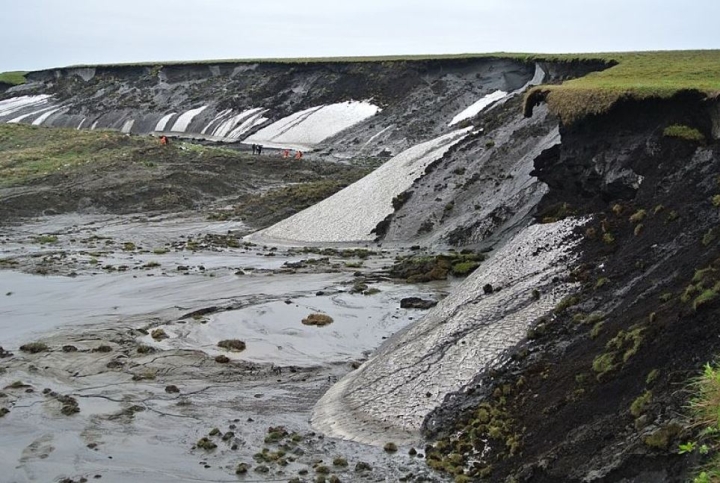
705 298
683 132
232 345
704 414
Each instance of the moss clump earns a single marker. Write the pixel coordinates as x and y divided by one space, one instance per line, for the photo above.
361 467
638 216
242 468
660 439
464 268
34 347
206 444
597 328
683 132
339 461
70 405
627 342
426 268
43 239
147 375
640 404
709 237
705 298
222 359
608 238
145 349
276 434
652 376
232 345
390 447
604 363
601 282
159 334
319 320
638 229
566 303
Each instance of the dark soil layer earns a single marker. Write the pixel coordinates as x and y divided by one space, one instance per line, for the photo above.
597 391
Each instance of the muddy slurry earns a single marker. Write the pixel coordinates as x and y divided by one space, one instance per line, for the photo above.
165 349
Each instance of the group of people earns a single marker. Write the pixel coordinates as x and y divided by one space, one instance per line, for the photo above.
286 154
256 149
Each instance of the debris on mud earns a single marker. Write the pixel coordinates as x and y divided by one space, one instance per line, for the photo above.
317 319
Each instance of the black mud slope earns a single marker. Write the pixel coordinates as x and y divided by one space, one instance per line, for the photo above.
597 391
481 190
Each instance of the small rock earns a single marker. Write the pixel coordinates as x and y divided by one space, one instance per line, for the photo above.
171 389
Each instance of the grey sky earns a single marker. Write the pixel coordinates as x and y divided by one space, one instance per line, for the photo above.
37 34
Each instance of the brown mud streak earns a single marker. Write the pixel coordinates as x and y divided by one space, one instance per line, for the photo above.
577 423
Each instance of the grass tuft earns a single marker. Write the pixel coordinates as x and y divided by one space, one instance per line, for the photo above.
686 133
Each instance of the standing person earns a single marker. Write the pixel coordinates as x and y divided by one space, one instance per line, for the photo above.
298 155
285 153
164 140
259 149
254 148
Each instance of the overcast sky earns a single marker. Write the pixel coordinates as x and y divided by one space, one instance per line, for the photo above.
36 34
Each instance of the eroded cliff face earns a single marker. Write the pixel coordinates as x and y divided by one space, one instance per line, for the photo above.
414 100
596 391
474 194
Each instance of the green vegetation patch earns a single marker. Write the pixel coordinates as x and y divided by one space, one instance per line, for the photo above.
636 75
704 416
28 153
14 78
489 425
683 132
426 268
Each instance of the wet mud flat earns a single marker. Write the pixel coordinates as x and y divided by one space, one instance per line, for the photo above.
121 377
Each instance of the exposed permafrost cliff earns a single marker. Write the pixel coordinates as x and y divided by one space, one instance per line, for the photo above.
391 105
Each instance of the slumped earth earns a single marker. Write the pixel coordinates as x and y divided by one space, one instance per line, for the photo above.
104 393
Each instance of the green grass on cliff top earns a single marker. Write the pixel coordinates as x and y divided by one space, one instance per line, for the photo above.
637 75
13 78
